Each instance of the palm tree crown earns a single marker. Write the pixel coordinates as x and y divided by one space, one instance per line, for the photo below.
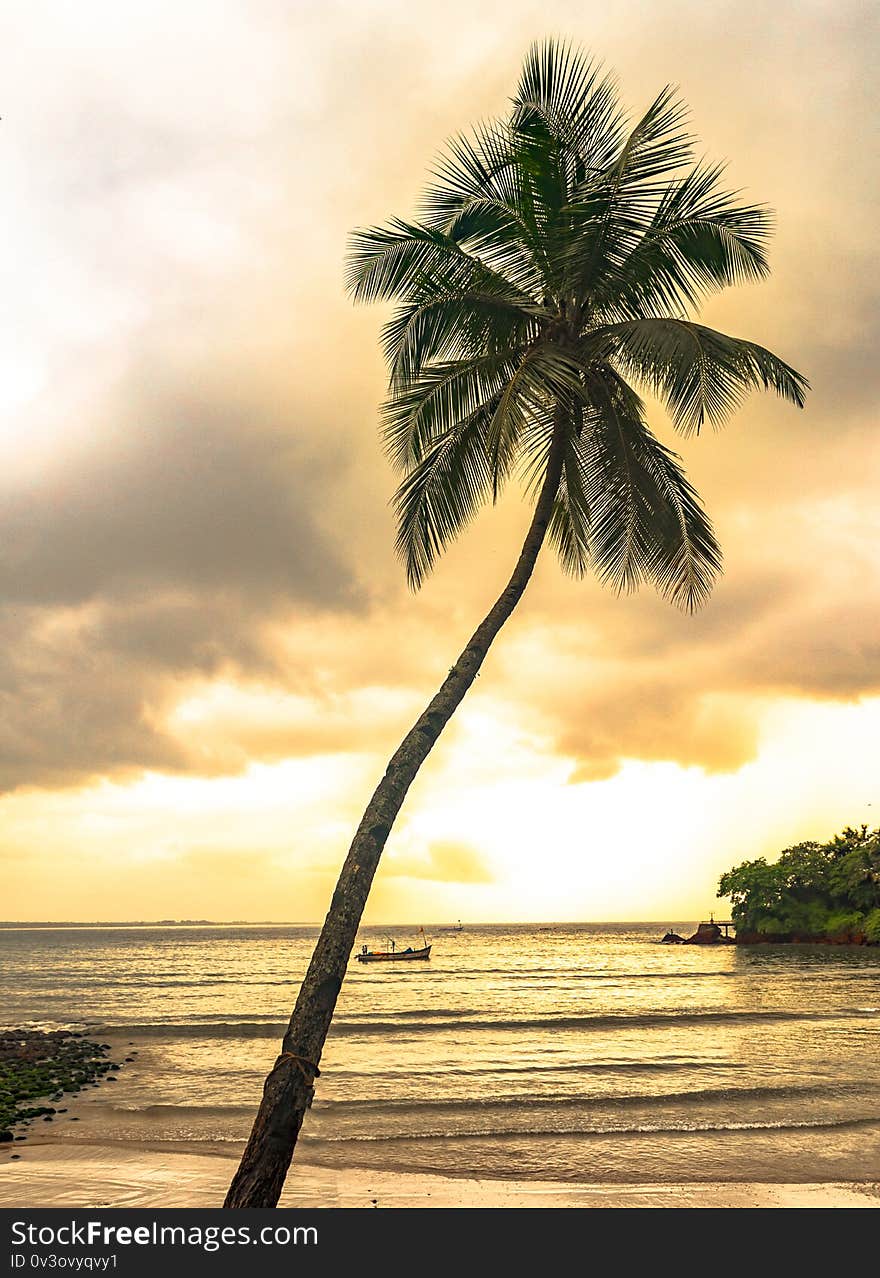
551 276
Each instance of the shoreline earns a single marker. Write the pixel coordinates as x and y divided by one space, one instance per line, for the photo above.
59 1166
75 1174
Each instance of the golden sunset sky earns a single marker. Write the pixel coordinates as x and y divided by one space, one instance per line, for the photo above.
208 647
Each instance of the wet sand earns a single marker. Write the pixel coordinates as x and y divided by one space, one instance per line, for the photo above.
62 1165
77 1175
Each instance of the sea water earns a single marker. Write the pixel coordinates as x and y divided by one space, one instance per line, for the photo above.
564 1052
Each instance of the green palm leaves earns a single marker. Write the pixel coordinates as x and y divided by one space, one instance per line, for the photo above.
700 373
556 261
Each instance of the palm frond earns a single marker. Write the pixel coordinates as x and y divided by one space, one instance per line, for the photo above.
688 557
396 260
611 209
700 373
578 106
478 198
646 521
443 491
569 528
658 144
469 422
443 395
451 324
545 379
699 239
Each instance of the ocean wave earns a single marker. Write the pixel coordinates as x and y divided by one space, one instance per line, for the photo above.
182 1111
627 1067
401 1027
565 975
631 1129
695 1096
171 982
396 1108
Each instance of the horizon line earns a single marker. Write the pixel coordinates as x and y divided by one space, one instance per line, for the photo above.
96 923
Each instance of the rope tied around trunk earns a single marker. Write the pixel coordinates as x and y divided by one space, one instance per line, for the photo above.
307 1068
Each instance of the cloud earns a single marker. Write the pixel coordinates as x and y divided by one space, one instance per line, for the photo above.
442 862
164 551
190 493
640 681
193 498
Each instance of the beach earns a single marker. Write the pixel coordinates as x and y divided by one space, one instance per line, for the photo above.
60 1167
560 1066
78 1176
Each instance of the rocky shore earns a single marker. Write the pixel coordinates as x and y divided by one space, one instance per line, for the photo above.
43 1066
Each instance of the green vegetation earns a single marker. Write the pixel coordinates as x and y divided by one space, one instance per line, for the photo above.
37 1065
815 891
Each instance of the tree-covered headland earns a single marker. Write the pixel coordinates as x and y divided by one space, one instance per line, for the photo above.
813 892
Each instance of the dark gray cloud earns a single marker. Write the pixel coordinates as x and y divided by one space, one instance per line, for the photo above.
73 709
187 493
166 550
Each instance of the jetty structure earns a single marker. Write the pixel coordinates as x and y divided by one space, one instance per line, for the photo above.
710 933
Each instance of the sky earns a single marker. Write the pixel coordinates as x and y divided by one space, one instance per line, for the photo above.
208 647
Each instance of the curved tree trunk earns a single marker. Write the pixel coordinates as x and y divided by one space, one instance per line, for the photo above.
288 1090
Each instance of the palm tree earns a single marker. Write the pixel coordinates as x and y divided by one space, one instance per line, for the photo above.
550 277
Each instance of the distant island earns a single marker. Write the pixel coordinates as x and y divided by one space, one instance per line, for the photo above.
26 924
12 924
815 892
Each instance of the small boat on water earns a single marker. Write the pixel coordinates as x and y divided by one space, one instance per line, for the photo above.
391 954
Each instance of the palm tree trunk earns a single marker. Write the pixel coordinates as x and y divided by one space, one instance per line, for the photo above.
288 1090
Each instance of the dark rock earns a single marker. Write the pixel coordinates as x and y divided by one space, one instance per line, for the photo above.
36 1063
5 1136
709 934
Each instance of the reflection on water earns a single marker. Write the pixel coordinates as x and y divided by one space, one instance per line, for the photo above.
571 1052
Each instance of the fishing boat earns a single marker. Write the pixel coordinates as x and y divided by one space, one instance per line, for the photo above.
391 954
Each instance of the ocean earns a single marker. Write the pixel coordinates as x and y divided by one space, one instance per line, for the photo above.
571 1052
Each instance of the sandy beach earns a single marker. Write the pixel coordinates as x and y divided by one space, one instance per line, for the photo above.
77 1175
60 1165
